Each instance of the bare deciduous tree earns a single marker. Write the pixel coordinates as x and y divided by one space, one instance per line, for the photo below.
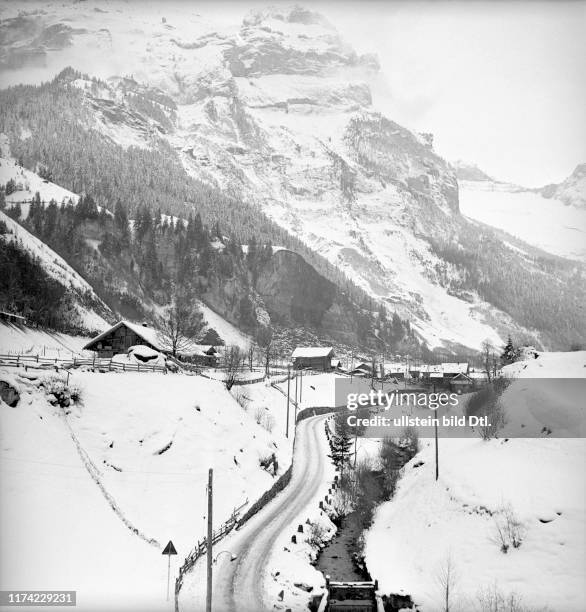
264 338
447 578
233 358
182 322
488 357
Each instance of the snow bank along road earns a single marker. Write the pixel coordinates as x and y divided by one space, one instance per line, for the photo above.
238 584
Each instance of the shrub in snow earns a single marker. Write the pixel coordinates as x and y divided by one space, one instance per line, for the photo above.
341 505
317 535
259 414
490 599
509 531
268 422
59 392
241 398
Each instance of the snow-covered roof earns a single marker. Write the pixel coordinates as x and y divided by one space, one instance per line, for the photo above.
198 349
455 368
148 334
478 375
464 378
312 351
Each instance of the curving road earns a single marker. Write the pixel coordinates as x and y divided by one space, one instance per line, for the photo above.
238 585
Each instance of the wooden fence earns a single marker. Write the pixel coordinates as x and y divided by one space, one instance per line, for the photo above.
96 363
201 549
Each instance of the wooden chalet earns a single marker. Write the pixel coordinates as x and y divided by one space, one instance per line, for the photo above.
123 335
313 357
450 370
200 354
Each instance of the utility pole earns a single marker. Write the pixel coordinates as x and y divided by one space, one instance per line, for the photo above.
300 385
436 447
296 377
209 542
288 388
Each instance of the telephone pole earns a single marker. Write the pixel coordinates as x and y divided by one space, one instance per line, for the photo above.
288 388
209 542
300 385
436 448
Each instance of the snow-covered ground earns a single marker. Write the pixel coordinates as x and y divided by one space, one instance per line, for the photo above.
150 439
21 340
548 224
540 481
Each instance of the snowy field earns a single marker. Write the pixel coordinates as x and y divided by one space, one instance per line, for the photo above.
539 482
545 223
149 440
18 340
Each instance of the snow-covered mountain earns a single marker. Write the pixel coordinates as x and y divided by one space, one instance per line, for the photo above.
278 111
552 218
571 191
466 171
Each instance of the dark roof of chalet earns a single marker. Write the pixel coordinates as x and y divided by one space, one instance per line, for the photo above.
148 334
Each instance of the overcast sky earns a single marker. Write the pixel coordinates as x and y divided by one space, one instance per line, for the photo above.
501 84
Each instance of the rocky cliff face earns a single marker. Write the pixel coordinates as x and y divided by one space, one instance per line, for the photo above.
289 293
279 112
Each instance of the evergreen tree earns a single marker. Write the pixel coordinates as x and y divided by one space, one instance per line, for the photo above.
212 337
510 354
121 220
341 441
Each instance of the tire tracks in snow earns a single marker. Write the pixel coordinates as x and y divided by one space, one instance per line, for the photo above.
238 585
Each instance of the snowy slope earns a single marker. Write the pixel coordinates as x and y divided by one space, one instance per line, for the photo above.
230 334
539 480
150 440
56 267
28 184
546 223
28 341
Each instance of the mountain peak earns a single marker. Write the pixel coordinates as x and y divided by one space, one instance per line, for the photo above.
287 14
571 191
466 171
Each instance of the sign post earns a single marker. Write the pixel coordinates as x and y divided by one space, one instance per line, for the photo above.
169 550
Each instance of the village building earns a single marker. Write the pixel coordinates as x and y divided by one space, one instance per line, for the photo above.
313 357
120 337
123 335
336 364
363 368
461 383
450 370
200 354
397 371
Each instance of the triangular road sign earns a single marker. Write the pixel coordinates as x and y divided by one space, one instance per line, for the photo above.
169 549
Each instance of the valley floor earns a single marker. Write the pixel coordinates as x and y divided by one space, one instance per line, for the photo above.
431 526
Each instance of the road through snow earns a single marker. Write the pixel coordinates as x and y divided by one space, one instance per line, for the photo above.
238 586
